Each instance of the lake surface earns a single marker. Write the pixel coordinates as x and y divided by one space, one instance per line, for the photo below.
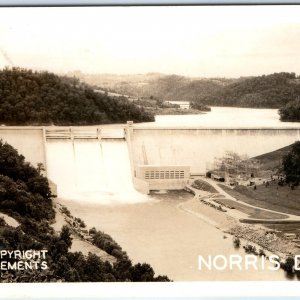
228 117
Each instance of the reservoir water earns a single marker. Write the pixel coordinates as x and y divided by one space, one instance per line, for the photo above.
95 184
224 117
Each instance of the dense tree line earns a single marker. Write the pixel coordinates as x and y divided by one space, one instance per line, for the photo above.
64 265
200 106
291 165
192 90
177 88
267 91
106 243
291 111
25 195
38 98
24 192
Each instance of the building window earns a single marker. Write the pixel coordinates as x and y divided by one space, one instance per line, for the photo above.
164 174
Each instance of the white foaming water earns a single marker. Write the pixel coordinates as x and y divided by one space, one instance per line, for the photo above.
92 171
117 166
88 160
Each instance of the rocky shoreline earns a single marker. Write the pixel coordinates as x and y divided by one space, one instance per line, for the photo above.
269 240
272 241
81 239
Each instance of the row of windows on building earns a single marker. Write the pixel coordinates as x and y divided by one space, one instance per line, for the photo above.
164 174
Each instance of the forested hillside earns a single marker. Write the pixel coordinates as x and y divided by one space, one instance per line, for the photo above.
24 192
268 91
161 86
42 98
179 88
291 111
25 196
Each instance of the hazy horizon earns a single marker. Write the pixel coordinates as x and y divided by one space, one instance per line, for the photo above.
172 74
67 73
193 41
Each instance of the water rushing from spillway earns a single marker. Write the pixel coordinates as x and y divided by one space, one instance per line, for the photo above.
89 170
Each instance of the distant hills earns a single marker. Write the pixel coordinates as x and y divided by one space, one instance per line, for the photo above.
157 85
266 91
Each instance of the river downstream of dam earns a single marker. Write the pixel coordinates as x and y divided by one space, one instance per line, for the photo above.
158 232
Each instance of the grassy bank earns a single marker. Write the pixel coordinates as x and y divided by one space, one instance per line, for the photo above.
273 160
273 197
253 213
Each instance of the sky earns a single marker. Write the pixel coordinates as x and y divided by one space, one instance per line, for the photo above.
197 41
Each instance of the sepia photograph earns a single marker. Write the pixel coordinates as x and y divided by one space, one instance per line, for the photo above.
150 144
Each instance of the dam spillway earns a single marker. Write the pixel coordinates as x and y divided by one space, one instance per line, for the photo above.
91 170
102 162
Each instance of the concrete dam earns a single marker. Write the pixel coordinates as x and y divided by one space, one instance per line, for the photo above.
195 147
112 162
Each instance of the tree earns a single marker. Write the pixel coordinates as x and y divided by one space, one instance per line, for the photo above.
142 272
40 168
22 189
65 235
291 111
123 269
291 165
